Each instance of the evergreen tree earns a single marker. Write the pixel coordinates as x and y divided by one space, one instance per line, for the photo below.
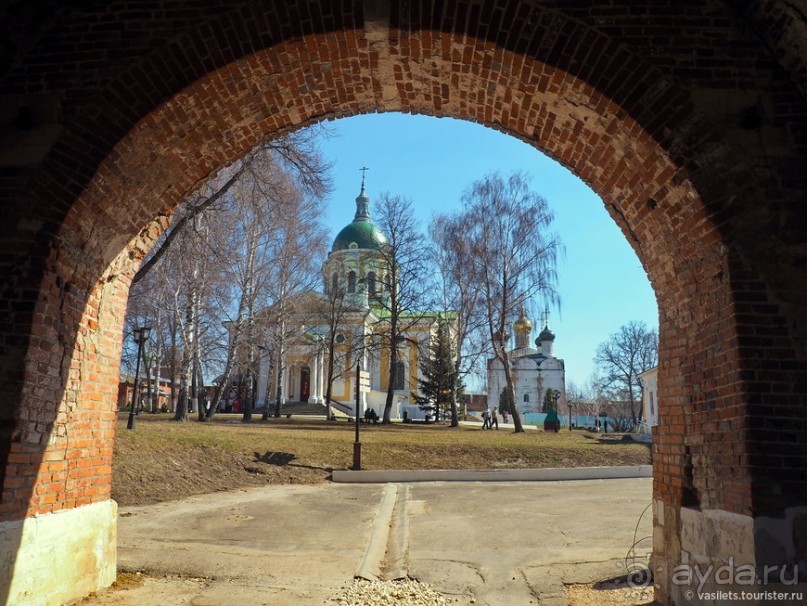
438 370
507 402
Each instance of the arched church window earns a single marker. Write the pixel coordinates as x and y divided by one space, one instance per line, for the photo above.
400 376
351 282
371 282
334 283
387 285
526 397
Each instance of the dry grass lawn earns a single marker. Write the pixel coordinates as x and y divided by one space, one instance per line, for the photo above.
162 460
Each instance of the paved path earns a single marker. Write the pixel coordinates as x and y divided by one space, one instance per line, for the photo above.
498 543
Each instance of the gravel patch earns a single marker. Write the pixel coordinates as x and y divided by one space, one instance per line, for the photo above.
608 594
408 592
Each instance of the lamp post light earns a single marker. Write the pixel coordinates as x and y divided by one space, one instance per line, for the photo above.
141 335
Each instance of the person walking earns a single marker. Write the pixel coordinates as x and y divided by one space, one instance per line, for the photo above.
504 416
494 420
486 418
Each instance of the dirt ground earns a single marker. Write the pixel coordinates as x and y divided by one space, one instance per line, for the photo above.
597 594
166 471
164 461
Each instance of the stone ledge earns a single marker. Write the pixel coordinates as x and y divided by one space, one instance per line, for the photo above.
494 475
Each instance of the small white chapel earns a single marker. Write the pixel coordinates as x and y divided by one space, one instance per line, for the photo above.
536 370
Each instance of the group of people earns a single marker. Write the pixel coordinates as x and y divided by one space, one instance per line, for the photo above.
371 416
491 418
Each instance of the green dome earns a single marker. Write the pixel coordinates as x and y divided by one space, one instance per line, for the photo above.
364 233
546 335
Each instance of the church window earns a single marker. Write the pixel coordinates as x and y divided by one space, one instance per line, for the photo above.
333 283
652 405
526 397
400 376
351 282
371 282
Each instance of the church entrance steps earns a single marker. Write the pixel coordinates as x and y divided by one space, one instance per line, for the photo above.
303 409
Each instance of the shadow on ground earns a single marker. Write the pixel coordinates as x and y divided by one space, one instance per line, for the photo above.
282 459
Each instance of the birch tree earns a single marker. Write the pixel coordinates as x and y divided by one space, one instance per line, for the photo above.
209 271
406 261
627 353
451 250
297 250
333 312
512 257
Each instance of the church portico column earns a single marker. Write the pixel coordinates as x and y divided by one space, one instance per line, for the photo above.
321 376
315 372
312 379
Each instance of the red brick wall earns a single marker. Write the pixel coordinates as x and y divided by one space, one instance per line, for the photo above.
689 120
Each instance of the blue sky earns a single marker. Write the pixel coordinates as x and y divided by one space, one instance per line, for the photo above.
432 161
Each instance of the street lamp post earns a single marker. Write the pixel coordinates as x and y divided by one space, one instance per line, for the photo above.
141 335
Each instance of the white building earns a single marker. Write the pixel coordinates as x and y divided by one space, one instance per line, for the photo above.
536 371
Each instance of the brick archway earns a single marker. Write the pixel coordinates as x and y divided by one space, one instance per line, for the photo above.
643 135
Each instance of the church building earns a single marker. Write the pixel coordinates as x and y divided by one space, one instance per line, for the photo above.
537 372
356 273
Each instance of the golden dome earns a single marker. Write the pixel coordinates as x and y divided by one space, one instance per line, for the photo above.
523 324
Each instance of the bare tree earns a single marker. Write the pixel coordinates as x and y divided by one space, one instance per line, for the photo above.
332 313
250 219
275 242
297 250
627 353
192 276
406 262
297 153
213 257
513 256
459 296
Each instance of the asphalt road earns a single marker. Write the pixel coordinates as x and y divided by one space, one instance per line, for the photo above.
498 543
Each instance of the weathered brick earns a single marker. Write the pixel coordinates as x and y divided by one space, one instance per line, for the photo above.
711 125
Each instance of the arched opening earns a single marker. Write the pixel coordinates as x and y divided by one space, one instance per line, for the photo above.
685 194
